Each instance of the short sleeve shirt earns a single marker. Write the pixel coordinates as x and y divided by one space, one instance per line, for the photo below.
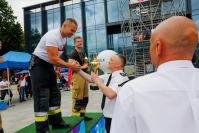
78 57
4 83
52 38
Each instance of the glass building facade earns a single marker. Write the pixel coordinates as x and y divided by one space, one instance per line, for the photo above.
195 17
99 22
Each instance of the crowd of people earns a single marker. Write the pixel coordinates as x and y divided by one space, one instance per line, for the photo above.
23 85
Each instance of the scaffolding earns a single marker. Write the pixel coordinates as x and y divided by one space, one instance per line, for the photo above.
143 16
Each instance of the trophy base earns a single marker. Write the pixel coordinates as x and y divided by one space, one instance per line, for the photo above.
93 86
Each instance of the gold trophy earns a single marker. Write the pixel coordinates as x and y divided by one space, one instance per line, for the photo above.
85 59
95 63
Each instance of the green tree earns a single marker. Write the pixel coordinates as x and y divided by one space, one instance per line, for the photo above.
11 34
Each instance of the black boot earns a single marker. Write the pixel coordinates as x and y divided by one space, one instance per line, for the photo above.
42 127
1 130
57 122
85 117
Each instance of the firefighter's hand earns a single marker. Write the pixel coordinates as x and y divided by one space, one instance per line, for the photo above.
75 65
85 66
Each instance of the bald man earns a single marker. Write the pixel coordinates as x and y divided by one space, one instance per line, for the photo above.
47 97
109 85
166 101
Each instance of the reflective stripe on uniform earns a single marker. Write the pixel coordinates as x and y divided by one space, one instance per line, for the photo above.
54 111
41 118
76 113
41 114
54 108
83 110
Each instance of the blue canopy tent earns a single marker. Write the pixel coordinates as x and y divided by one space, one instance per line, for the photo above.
13 59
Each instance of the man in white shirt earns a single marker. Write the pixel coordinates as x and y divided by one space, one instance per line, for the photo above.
5 90
109 85
166 101
47 97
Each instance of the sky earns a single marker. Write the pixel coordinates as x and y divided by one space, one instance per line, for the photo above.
17 7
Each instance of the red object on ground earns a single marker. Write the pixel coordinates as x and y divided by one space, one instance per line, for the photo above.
70 72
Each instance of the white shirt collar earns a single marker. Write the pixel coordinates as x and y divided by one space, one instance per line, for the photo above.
114 74
175 64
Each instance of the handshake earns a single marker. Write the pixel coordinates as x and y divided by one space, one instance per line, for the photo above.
95 63
74 65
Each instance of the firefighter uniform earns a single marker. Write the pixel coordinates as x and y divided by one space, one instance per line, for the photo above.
79 88
47 97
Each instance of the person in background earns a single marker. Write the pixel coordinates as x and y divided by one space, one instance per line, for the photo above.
79 85
166 101
5 90
28 87
22 88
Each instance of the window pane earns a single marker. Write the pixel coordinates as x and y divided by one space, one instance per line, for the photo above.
70 46
113 11
77 16
196 19
56 18
90 18
169 7
32 21
74 11
116 42
35 24
91 42
195 12
53 18
99 1
50 20
194 4
99 13
38 22
70 43
68 12
101 40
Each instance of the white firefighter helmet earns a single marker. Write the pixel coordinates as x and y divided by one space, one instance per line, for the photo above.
104 57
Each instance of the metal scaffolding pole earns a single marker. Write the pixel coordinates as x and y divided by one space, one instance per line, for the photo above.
143 16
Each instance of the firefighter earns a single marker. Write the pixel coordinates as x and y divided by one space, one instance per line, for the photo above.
47 97
79 85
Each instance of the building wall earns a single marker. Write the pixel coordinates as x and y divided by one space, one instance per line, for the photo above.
92 17
99 23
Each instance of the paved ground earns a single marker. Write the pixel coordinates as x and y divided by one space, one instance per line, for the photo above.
21 114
